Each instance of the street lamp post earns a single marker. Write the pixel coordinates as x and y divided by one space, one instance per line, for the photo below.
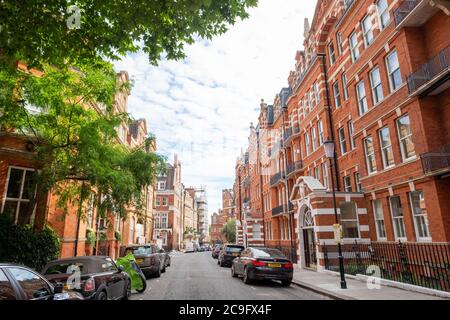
331 155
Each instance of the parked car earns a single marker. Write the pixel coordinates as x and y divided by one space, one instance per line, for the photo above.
100 278
261 264
228 253
22 283
149 258
216 250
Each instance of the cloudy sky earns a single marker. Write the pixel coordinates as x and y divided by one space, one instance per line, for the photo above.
201 108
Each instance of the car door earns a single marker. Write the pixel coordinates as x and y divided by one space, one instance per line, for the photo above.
239 266
32 285
246 259
8 290
114 279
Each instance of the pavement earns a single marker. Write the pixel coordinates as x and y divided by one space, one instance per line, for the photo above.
329 285
197 276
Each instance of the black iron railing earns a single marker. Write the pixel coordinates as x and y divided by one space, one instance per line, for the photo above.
404 10
275 178
437 65
438 161
277 210
288 251
287 133
422 264
290 168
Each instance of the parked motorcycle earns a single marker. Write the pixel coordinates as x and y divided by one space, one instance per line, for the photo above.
129 265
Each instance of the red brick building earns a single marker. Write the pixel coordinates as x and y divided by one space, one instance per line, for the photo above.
374 77
17 163
168 224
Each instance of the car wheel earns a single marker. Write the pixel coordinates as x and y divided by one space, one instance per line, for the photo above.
127 293
144 285
163 269
286 283
158 273
102 296
246 277
233 273
218 262
222 264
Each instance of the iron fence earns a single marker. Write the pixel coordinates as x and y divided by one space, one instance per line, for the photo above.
288 251
404 10
434 67
422 264
436 161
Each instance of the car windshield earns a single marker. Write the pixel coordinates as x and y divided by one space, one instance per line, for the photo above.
139 250
66 268
234 249
268 253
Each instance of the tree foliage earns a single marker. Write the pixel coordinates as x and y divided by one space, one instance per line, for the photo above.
229 231
37 31
68 114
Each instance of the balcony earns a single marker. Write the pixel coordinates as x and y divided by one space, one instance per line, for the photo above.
414 13
275 178
294 167
290 133
282 209
433 77
436 163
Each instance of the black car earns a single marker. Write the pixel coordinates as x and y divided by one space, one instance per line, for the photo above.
216 251
22 283
228 253
149 258
99 277
263 264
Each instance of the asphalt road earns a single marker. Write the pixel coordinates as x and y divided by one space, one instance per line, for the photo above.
197 276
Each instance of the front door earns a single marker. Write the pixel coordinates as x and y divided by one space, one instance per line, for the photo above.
310 248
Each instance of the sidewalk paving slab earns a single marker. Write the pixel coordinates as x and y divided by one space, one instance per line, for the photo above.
329 285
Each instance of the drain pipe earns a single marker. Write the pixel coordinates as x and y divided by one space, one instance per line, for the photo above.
330 118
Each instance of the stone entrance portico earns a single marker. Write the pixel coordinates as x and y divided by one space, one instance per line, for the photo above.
314 219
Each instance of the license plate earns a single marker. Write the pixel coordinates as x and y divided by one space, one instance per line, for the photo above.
235 254
139 260
274 265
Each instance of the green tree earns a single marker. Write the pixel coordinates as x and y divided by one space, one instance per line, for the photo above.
229 231
75 142
40 31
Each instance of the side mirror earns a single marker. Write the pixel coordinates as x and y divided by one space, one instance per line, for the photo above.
119 269
59 288
161 251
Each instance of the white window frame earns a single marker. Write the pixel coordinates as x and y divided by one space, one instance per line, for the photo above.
368 156
337 95
351 130
390 71
20 199
378 220
386 148
331 53
339 43
420 216
347 184
367 34
313 139
321 132
401 218
342 221
377 96
362 100
342 141
161 185
326 182
307 144
354 46
357 178
381 12
316 92
344 85
400 139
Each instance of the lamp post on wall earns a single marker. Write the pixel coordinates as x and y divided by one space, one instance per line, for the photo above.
331 155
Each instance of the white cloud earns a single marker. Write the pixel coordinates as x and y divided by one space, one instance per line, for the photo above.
201 107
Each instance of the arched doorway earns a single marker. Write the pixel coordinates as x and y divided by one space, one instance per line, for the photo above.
307 239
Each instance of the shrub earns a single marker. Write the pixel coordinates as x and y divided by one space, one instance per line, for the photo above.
91 237
24 245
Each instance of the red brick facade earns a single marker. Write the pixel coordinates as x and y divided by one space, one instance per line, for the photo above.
374 77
